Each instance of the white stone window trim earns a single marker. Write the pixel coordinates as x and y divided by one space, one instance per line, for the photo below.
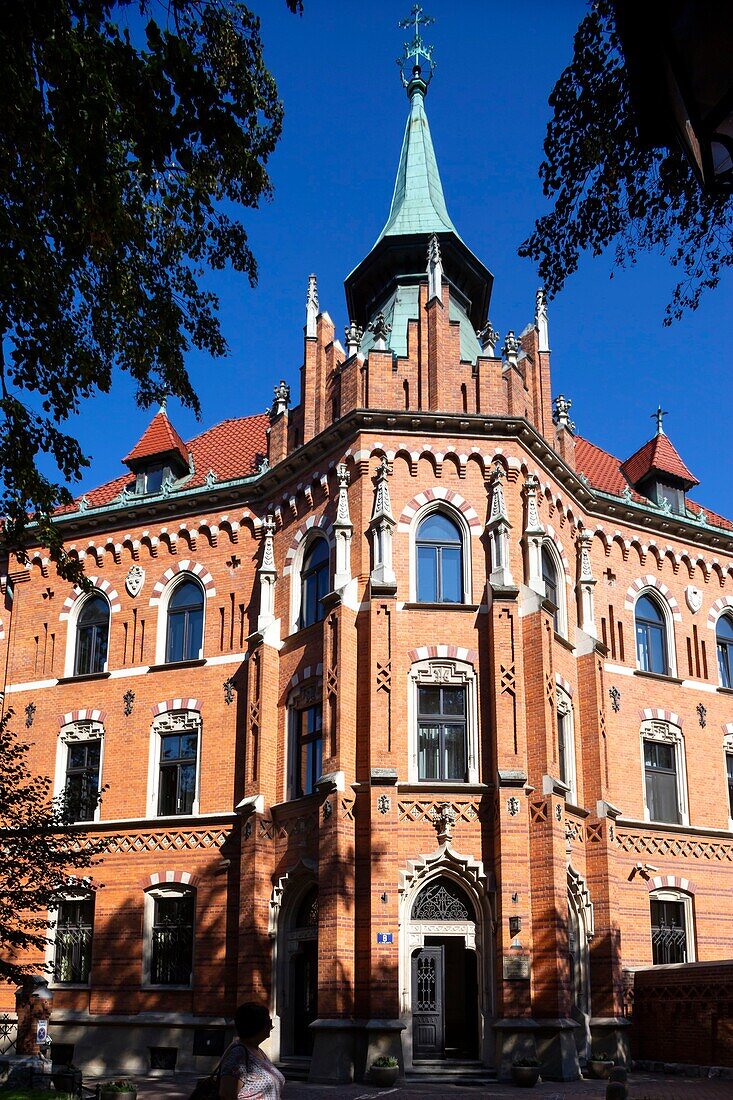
161 634
309 693
443 672
82 729
669 734
660 601
72 622
457 517
723 613
296 570
171 721
548 543
565 706
77 890
165 890
727 751
670 893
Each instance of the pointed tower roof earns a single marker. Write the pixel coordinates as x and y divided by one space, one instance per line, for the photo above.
418 212
657 456
159 439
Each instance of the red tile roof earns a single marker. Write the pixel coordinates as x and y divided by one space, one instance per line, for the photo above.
231 449
159 438
657 456
603 471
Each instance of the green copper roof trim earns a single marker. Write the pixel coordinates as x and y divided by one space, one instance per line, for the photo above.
403 306
418 203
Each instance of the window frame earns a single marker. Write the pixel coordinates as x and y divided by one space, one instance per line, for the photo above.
74 733
443 672
678 896
72 629
443 721
185 613
172 722
314 573
82 894
439 547
726 658
564 709
296 567
95 628
669 734
306 695
667 627
161 638
152 895
459 520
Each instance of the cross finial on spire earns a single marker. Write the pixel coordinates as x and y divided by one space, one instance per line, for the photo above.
659 417
417 48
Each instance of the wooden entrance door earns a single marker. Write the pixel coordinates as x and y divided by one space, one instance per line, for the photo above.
428 1010
305 996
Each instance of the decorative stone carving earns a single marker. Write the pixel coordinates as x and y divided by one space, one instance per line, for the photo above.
384 804
342 530
128 700
499 528
540 320
488 338
561 407
229 688
511 348
267 574
311 307
435 269
281 399
353 335
382 524
444 820
533 535
702 715
513 806
615 698
441 901
177 721
586 584
381 330
693 598
134 580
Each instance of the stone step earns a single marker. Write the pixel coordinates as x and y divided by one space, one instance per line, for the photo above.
294 1069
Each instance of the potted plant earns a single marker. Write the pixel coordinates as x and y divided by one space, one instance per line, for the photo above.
67 1078
525 1072
600 1066
110 1090
384 1070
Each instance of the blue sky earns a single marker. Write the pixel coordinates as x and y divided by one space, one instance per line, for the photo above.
333 172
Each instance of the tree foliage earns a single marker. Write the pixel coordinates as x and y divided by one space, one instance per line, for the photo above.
607 188
40 852
131 131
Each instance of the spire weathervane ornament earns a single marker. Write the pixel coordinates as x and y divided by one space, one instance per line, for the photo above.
659 417
417 48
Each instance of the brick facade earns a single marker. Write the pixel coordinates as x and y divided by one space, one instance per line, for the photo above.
556 876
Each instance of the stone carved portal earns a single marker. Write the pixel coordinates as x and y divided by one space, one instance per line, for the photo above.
294 929
446 951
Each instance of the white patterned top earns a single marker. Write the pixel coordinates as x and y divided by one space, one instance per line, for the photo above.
258 1078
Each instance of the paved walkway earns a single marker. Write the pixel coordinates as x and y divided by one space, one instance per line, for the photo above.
642 1086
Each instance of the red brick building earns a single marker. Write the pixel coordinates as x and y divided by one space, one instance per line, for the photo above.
415 708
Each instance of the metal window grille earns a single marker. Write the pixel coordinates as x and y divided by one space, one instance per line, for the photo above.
73 949
172 941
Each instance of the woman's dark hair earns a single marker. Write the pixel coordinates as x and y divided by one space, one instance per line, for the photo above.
250 1018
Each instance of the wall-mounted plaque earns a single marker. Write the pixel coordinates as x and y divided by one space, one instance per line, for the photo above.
516 968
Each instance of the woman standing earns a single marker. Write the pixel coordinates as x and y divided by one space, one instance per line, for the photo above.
246 1072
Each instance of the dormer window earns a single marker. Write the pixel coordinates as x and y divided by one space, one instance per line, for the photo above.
657 472
150 480
159 457
658 491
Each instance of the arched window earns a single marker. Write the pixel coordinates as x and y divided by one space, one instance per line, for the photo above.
552 586
724 639
185 623
92 637
314 582
672 929
439 560
651 637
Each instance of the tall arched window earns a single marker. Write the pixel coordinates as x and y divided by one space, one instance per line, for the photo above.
314 582
185 623
92 637
651 637
552 587
724 639
439 560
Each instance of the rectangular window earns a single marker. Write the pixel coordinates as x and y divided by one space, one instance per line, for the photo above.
82 779
73 943
171 960
669 934
441 733
562 745
660 774
729 767
177 773
308 749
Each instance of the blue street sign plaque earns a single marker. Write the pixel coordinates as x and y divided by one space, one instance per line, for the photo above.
384 937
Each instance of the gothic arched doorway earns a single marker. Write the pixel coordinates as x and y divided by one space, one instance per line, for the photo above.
444 973
295 925
580 932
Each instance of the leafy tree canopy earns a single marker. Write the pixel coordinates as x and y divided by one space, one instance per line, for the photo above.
607 188
130 128
40 852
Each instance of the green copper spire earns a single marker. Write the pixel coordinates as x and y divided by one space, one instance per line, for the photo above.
418 204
